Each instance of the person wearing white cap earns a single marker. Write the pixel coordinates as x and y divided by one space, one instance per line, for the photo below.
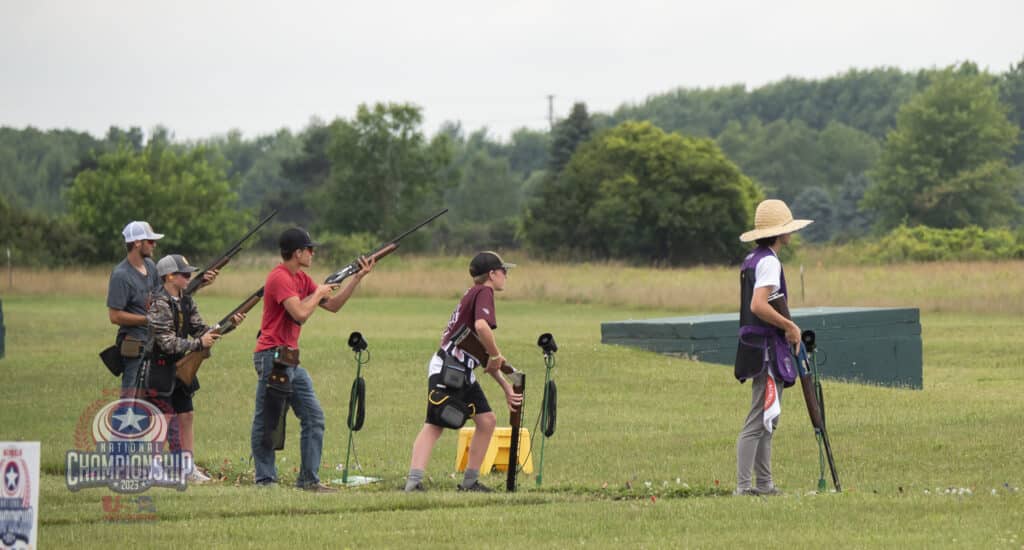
767 334
131 283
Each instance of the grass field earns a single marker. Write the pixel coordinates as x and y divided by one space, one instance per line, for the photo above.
645 449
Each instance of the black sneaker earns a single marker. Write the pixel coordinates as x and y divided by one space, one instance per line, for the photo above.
476 487
418 488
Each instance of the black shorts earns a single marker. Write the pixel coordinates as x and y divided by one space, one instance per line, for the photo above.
180 400
472 395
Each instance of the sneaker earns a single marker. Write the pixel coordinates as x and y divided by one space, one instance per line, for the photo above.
744 493
418 488
772 491
198 477
319 488
476 487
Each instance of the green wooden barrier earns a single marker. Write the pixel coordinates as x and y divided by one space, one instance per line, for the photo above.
869 345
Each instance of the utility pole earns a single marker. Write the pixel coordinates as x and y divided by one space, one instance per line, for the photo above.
551 112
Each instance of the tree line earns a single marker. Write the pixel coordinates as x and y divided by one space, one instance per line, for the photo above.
672 180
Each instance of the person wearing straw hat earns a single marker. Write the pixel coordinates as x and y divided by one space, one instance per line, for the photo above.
767 334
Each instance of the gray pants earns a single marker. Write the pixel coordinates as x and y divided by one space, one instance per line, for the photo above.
754 445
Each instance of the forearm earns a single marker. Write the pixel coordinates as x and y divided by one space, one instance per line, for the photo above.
304 309
768 314
338 300
125 319
167 341
505 385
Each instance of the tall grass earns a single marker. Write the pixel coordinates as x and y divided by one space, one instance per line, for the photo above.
977 287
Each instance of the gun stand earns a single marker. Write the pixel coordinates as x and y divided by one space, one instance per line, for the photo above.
548 404
356 410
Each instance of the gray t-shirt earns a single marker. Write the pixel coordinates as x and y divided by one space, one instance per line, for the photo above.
129 291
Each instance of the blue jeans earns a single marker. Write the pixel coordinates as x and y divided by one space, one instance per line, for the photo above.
130 376
311 419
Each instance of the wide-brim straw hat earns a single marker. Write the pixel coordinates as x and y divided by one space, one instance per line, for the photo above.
772 219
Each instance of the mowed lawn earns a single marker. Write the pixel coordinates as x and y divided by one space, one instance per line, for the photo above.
643 456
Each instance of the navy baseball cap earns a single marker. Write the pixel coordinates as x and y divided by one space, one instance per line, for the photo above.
294 239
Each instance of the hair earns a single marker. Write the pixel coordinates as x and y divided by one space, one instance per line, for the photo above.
767 241
482 278
130 246
287 255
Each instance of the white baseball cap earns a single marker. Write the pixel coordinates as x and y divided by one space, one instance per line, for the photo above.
139 231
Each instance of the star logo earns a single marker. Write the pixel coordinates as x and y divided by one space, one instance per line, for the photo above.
130 420
11 478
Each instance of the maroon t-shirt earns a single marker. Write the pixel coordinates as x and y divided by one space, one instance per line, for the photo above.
278 328
476 303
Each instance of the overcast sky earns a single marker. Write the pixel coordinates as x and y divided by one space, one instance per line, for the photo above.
204 67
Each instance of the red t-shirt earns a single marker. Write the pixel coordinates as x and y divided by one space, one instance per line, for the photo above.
476 303
277 327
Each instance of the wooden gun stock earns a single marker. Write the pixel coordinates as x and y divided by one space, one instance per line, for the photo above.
187 366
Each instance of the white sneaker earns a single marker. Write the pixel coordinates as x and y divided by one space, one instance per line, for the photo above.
198 477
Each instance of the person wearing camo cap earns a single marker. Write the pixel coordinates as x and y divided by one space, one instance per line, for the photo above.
175 328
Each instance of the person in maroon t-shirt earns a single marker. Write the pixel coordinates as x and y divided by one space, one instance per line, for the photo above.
474 312
289 298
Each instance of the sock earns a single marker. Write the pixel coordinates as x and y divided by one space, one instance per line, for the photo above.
415 476
470 478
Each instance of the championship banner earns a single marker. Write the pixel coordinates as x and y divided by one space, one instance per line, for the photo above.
19 495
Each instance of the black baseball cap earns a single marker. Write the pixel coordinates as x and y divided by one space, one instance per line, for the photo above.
294 239
487 261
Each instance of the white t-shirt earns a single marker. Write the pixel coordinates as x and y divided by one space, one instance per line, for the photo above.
768 273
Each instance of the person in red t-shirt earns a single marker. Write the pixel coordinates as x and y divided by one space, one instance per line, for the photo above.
475 311
289 299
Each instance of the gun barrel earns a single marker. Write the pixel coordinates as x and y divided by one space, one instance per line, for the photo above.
383 250
196 283
413 230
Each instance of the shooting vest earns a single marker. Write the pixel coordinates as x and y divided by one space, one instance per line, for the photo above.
761 345
160 372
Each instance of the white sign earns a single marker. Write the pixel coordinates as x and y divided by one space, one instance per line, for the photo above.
19 494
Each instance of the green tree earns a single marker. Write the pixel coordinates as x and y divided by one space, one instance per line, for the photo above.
528 152
384 174
852 221
944 165
816 204
183 195
567 135
36 239
635 192
305 172
1011 91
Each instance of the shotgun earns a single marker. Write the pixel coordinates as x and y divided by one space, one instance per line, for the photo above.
197 279
383 250
190 363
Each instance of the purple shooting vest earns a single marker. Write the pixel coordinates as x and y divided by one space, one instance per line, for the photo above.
761 345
